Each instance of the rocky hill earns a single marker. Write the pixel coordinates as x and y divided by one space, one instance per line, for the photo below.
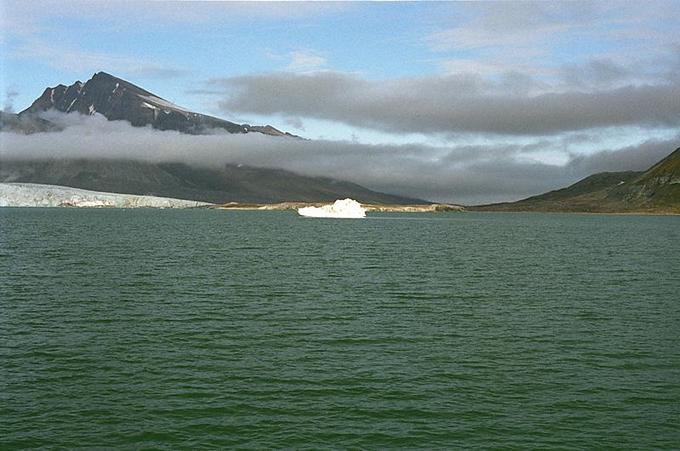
658 187
656 190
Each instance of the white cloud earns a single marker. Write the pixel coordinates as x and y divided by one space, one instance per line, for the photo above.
132 13
507 24
64 58
305 61
547 39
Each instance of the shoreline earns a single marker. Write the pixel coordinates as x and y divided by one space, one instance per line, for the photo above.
422 208
617 213
370 208
283 206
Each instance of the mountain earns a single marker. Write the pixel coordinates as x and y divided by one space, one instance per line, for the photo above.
660 185
656 190
230 183
117 99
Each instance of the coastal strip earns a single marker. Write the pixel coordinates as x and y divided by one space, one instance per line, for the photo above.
401 208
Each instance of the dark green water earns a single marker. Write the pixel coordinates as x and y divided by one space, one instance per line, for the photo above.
191 329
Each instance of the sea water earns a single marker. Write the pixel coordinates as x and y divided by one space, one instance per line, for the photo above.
199 328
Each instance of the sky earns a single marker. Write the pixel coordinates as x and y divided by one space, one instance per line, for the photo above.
465 102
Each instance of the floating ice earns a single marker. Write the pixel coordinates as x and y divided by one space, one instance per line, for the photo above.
347 208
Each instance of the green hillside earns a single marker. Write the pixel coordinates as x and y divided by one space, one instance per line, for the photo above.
656 190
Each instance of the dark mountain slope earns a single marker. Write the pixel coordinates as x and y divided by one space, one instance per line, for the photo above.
230 183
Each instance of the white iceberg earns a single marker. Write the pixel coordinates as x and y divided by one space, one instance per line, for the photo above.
346 208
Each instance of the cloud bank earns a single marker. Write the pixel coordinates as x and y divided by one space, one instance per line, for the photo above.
461 174
448 104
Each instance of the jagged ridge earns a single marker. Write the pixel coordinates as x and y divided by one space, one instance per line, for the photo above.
118 99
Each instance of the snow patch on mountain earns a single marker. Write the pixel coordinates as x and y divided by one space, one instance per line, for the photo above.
163 103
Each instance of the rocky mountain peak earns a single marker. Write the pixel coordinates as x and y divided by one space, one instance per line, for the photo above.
118 99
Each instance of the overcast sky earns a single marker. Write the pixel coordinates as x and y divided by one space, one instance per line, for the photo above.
461 102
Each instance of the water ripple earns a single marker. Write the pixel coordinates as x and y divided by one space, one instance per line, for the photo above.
208 329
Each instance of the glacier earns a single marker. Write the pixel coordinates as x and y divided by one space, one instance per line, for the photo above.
38 195
346 208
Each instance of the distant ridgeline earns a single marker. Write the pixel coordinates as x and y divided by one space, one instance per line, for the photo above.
656 190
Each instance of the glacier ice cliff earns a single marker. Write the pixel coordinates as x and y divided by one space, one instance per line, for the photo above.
37 195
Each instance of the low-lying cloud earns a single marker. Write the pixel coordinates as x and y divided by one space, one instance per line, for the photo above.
8 105
460 174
